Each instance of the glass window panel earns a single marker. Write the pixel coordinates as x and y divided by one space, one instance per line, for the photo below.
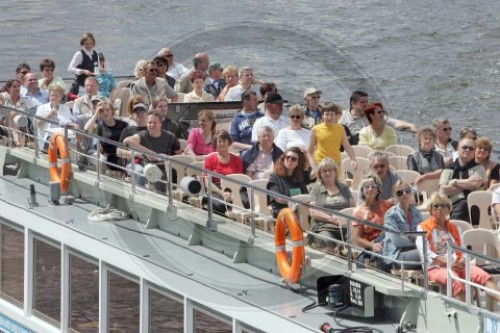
166 314
83 295
123 307
47 279
203 323
12 263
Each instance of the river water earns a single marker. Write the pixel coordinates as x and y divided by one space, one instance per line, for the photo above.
423 59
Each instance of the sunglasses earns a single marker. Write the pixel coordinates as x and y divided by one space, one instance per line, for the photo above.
295 117
169 55
315 97
24 72
446 129
467 148
152 70
291 158
440 206
400 193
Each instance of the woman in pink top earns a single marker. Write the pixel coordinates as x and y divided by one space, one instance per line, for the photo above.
200 139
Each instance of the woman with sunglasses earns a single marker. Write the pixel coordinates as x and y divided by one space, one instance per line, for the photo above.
482 157
294 135
404 216
439 231
371 209
328 193
376 135
289 178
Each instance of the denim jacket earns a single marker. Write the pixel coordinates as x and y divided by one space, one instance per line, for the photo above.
395 219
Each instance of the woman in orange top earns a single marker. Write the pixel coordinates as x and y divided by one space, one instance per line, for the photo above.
372 209
439 231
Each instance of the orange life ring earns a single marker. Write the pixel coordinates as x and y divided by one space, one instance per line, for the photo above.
289 271
57 143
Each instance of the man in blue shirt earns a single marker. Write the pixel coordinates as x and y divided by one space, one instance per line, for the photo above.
242 122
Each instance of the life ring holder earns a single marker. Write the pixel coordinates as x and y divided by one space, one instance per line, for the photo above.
57 143
289 271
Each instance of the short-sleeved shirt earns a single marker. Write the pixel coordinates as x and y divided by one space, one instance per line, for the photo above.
212 163
328 141
166 143
111 132
356 124
196 142
447 176
320 197
367 137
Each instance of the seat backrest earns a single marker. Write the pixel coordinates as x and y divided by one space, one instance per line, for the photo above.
176 162
482 200
462 226
123 94
398 162
425 189
266 175
408 176
183 143
302 210
359 173
482 241
260 197
342 220
235 187
361 151
400 150
194 172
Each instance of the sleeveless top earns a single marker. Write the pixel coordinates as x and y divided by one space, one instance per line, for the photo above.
328 141
88 64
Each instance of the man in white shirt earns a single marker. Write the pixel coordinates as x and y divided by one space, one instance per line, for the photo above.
246 84
175 69
273 117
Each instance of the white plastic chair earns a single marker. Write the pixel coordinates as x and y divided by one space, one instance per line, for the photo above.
481 199
361 151
398 162
400 150
303 211
260 204
183 144
408 176
238 212
181 171
425 189
462 226
359 174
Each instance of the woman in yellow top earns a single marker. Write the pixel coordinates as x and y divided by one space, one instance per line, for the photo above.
327 138
377 135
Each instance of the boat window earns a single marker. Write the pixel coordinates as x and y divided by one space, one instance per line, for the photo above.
123 304
47 281
205 322
166 314
12 264
83 294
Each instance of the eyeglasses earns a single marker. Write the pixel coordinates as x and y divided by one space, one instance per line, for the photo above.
467 148
483 149
153 70
295 117
291 158
400 193
315 97
169 55
440 206
24 72
379 166
327 170
446 129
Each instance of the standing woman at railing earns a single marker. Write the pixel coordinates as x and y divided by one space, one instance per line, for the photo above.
110 128
372 209
200 140
439 231
404 216
224 163
289 178
12 98
54 111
